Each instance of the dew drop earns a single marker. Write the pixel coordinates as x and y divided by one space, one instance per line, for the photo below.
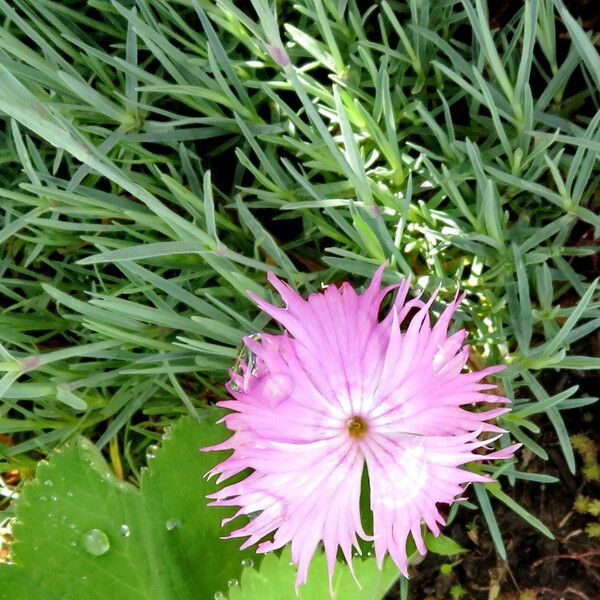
124 530
172 523
43 498
219 596
71 525
70 494
369 553
247 563
73 543
54 498
48 483
95 542
233 583
151 452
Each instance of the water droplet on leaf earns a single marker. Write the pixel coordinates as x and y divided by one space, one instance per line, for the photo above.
219 596
151 452
233 583
54 498
124 530
48 483
95 542
172 523
247 562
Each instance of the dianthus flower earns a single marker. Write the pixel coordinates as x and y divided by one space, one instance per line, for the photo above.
340 390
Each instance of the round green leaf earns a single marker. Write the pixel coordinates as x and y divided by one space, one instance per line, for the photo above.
276 577
82 533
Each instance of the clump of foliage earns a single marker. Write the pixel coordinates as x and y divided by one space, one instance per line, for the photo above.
159 158
588 451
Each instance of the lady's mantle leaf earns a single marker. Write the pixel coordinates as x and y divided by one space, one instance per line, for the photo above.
275 580
82 533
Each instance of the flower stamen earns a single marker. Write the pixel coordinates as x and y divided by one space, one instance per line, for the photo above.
357 426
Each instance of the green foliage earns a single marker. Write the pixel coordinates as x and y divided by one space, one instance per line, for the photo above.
275 580
589 454
442 545
591 474
593 530
591 506
457 592
102 538
158 158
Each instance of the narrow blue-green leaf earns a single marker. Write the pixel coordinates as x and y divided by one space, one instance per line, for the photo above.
490 519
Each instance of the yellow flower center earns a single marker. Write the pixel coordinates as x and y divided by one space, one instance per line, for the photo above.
357 426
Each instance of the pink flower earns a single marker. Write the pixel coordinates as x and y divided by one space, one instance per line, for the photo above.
340 390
